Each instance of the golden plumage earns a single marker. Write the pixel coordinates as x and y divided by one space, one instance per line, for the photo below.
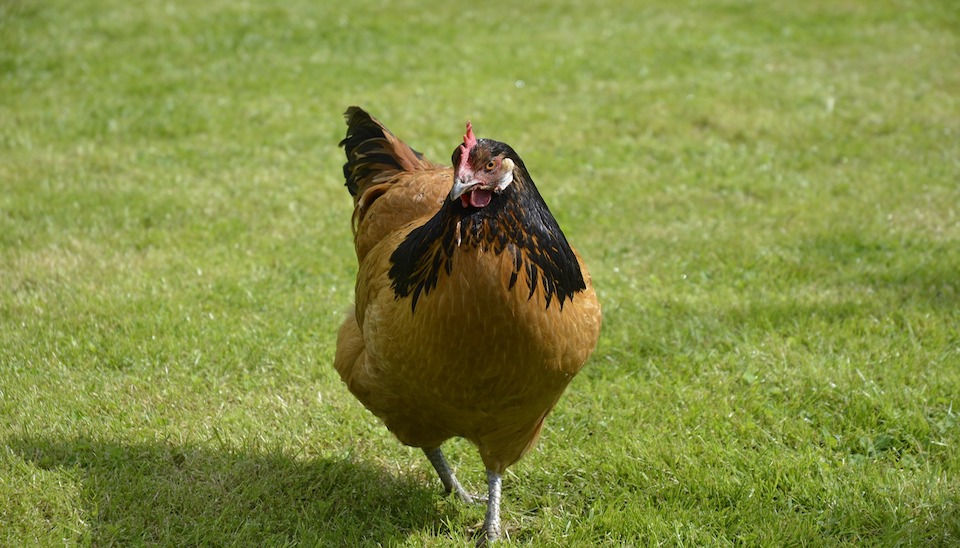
468 321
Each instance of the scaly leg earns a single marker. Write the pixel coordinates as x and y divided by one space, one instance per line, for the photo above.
491 523
450 483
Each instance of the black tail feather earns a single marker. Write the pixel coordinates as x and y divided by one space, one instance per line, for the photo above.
372 149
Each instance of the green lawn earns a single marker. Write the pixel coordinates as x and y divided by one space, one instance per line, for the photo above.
767 194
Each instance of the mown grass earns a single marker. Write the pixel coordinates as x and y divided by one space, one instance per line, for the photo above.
766 194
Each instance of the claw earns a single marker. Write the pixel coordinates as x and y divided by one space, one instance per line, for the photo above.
491 522
450 483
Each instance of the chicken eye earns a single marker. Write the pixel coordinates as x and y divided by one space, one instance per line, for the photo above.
490 165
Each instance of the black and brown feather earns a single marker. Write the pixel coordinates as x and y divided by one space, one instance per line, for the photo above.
374 156
517 221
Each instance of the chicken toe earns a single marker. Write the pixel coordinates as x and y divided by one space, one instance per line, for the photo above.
450 483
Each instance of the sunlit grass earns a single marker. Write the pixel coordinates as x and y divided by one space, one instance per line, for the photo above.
766 195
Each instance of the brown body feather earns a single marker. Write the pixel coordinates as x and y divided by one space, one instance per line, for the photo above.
484 351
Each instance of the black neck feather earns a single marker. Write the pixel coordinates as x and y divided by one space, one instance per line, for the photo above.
517 221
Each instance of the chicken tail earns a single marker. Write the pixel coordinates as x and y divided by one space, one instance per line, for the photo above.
374 157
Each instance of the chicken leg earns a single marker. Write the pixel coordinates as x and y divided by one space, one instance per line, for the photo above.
450 483
491 523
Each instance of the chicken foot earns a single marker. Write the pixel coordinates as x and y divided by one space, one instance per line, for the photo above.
450 483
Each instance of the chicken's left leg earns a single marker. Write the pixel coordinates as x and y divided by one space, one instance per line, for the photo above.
491 523
450 483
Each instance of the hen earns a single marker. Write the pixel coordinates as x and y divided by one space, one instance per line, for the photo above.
472 314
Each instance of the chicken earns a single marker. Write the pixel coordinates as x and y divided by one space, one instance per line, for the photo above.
472 312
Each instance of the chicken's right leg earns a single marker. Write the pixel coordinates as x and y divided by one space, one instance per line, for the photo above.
450 483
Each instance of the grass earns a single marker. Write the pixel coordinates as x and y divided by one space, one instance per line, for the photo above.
766 194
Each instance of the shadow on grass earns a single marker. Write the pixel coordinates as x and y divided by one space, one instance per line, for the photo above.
905 272
183 495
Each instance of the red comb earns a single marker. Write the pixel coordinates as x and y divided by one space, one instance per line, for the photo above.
469 141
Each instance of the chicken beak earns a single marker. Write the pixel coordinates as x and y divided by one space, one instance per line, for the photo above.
461 186
464 184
